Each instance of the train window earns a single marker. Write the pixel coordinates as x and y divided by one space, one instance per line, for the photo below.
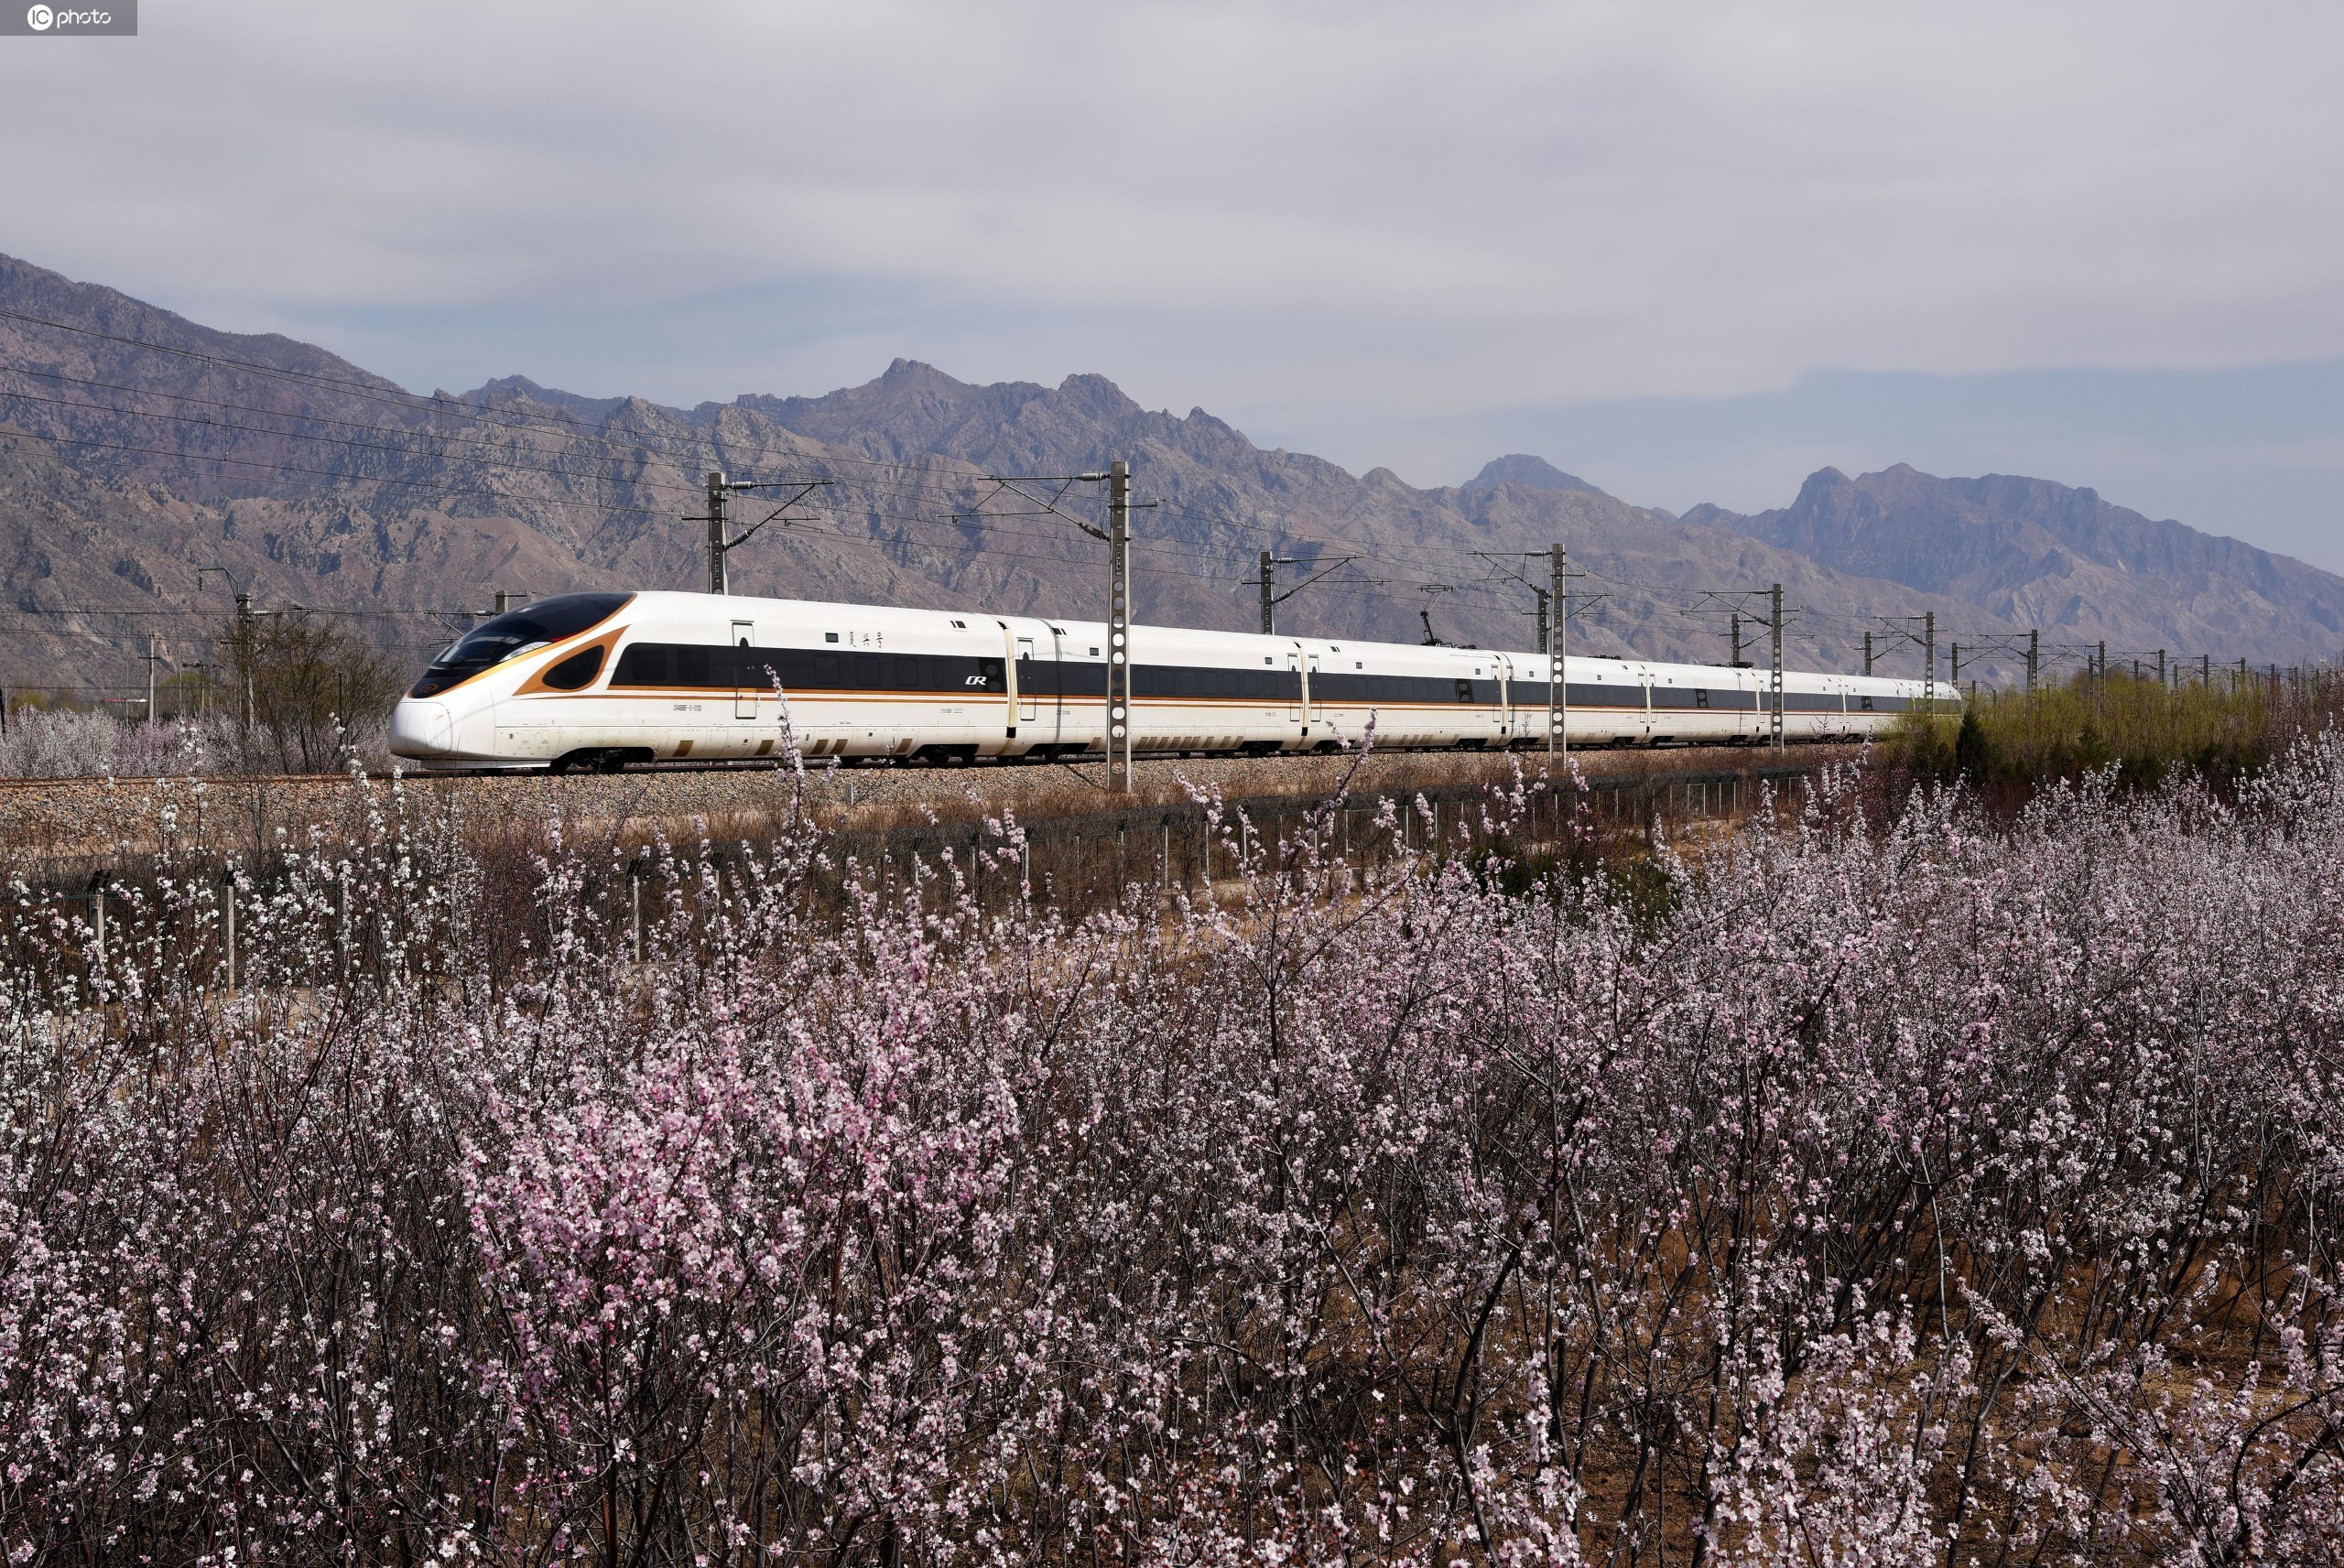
576 672
1867 705
645 664
989 672
1701 696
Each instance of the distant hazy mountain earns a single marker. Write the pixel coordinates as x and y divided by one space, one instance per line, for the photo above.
2059 558
142 448
1532 473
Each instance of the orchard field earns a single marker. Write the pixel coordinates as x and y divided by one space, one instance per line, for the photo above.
1881 1183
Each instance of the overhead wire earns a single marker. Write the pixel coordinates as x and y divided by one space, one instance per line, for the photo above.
208 423
545 419
384 391
504 464
877 539
392 395
632 447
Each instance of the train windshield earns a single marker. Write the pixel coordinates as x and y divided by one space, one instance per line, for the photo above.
516 632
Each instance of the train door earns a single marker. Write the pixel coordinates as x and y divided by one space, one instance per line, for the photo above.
1294 690
1053 718
747 677
1027 712
1309 670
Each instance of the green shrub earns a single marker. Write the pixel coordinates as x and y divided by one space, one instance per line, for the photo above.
2146 731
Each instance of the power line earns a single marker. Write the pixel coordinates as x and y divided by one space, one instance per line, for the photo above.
446 491
506 464
481 412
635 445
208 423
621 451
321 473
397 397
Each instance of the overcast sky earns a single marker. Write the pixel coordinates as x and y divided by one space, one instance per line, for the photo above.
1691 253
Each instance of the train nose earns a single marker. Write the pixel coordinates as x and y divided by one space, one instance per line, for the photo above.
420 729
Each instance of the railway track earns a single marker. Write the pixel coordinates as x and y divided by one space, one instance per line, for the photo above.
246 813
1589 759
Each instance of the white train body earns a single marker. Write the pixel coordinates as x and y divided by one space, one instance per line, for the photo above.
607 679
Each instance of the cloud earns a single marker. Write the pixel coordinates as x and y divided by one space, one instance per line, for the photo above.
1596 200
1315 218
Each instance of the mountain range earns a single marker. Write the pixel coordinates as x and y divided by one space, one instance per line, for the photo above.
150 466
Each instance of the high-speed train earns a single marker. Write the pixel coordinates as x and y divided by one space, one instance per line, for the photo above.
602 680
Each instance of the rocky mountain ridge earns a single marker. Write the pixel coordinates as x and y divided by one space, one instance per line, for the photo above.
144 450
2060 558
